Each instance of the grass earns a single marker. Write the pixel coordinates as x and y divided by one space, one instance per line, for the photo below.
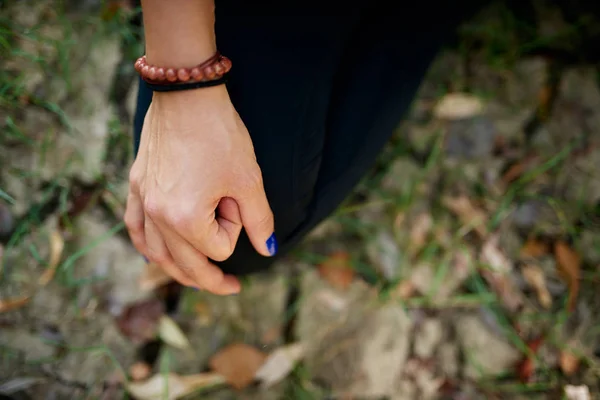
500 42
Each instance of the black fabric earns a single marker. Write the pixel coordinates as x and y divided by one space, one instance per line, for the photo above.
320 96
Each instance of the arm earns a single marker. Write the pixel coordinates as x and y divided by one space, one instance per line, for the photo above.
195 182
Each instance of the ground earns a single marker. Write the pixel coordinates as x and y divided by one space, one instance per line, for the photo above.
464 266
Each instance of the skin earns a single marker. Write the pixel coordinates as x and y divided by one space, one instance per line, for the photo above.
196 157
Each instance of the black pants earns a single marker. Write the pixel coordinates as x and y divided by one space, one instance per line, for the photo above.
320 96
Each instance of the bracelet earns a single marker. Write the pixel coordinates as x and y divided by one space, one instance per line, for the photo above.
209 73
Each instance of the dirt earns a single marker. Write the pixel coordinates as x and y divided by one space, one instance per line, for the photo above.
425 317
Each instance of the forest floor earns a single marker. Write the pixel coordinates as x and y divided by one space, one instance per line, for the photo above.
465 265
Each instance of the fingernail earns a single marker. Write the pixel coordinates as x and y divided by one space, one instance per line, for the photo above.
272 244
145 259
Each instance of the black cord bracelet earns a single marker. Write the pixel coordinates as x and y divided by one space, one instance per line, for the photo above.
185 86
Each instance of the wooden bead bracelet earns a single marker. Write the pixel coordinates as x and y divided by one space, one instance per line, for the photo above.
211 72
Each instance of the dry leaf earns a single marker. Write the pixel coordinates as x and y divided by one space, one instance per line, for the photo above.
279 364
458 106
516 170
156 388
238 364
568 262
204 314
140 371
569 362
139 321
581 392
534 248
469 214
421 227
14 303
526 367
171 334
337 270
404 290
535 277
499 275
57 245
153 277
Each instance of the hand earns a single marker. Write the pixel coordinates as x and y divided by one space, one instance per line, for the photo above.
193 185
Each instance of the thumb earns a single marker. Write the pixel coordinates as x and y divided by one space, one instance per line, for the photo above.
258 221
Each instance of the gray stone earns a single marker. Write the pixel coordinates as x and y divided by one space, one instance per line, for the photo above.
470 138
428 336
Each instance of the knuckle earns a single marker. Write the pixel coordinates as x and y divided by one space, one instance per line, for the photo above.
158 257
212 280
152 207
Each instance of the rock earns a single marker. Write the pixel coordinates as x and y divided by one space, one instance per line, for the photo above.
384 254
486 354
427 337
470 138
448 355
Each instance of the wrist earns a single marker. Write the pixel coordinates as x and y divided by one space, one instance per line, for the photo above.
186 98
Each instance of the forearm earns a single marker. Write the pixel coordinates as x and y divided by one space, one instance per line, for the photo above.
179 33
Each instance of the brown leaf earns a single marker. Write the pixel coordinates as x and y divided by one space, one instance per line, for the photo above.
569 362
13 303
238 364
337 270
57 245
172 386
526 367
420 229
516 170
498 275
153 277
534 248
204 314
139 321
140 371
468 213
568 262
405 289
535 277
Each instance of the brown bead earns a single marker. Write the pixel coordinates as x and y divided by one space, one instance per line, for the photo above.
219 70
160 74
226 62
152 73
183 74
209 72
145 70
171 75
138 65
196 74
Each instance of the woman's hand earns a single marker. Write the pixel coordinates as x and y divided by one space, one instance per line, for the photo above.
196 158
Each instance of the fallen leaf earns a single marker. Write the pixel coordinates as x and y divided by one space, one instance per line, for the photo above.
337 270
13 303
581 392
139 321
569 362
238 364
404 290
279 364
568 262
534 248
204 314
153 277
420 229
516 170
526 367
469 214
458 106
18 384
172 386
57 245
535 277
171 334
498 274
140 371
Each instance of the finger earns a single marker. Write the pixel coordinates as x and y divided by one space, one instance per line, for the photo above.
196 265
158 253
134 220
223 232
258 221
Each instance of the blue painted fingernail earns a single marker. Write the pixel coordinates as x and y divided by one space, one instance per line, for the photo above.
272 244
145 259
